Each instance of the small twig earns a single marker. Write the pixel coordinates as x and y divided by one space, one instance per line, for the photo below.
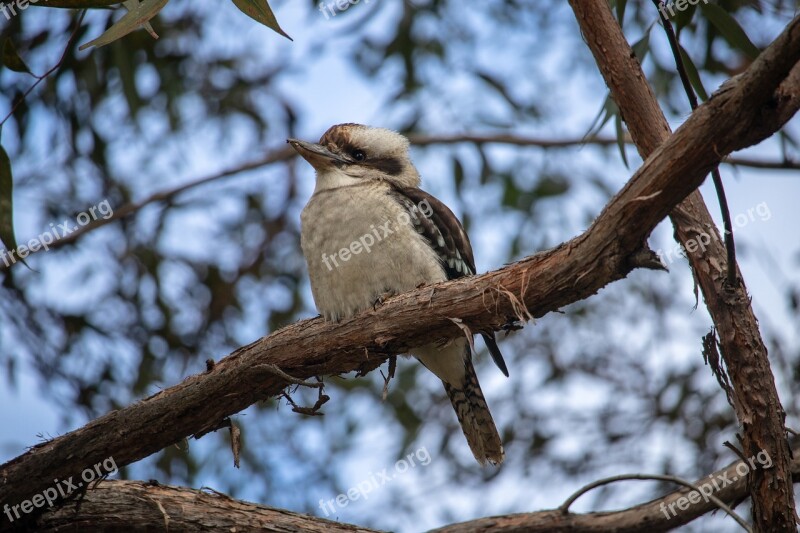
564 508
281 374
41 78
734 449
308 411
715 175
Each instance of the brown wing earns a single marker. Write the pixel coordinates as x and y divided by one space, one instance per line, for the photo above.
442 229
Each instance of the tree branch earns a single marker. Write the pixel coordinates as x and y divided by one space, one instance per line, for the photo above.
759 408
125 505
699 489
661 514
538 284
138 506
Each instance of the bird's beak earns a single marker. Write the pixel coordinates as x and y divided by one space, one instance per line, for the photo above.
316 154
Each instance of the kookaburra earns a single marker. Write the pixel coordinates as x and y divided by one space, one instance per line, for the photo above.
368 231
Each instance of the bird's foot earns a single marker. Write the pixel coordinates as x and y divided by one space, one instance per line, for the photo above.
382 298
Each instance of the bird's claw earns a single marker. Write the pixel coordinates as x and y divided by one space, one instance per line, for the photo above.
382 298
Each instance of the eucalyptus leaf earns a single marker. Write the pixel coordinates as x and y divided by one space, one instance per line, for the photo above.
12 59
642 46
620 131
260 11
7 206
694 76
730 29
137 17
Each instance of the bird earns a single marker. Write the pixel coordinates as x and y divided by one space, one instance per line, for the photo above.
369 231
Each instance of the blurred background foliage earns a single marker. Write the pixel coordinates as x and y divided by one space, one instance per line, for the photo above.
613 384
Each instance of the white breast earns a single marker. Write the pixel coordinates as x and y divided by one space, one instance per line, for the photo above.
359 244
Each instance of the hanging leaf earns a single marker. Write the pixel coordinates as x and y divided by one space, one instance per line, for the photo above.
605 114
620 6
260 11
621 138
6 207
730 29
133 19
693 74
11 58
642 46
458 173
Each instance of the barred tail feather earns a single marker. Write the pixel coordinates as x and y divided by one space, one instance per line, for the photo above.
474 416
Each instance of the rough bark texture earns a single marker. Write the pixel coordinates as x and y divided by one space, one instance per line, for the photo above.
754 393
747 111
114 506
132 505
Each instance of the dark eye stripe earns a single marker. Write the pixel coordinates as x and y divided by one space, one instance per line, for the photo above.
387 165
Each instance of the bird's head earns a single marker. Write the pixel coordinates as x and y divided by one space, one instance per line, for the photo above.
351 153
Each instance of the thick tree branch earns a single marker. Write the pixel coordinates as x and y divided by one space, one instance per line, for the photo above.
758 407
538 284
138 506
126 505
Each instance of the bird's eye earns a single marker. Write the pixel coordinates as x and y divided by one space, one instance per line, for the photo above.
359 155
